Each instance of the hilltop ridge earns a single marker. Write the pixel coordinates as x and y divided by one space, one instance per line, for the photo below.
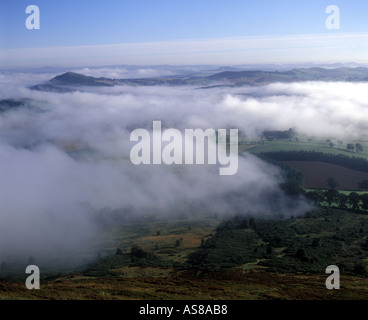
69 81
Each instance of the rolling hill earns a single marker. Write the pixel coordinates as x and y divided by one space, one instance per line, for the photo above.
69 81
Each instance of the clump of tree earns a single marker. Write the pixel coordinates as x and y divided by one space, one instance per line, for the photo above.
138 253
354 200
300 254
350 147
316 197
342 200
364 201
142 257
178 242
330 143
359 148
331 196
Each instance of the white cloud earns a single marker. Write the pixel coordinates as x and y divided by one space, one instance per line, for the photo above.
45 189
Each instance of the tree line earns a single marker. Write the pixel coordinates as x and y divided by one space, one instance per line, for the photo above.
353 200
357 147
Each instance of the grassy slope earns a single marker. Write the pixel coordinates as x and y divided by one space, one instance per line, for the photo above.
319 145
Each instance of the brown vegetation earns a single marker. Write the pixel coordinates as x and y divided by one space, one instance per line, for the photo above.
234 285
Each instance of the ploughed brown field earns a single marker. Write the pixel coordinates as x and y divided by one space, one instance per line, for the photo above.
316 173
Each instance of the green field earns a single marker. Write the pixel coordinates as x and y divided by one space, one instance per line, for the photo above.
303 143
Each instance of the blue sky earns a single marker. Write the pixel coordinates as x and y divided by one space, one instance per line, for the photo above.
174 30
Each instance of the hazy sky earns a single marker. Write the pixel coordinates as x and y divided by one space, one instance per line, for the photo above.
95 32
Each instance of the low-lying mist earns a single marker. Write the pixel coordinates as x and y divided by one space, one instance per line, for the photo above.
65 157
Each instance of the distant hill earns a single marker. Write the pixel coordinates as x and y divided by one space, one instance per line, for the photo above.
295 75
69 81
12 104
72 78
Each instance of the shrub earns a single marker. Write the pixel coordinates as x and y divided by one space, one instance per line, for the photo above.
137 252
178 242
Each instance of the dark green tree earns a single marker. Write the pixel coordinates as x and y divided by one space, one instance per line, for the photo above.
292 188
138 252
359 148
342 200
178 242
331 196
350 147
364 200
354 200
315 196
